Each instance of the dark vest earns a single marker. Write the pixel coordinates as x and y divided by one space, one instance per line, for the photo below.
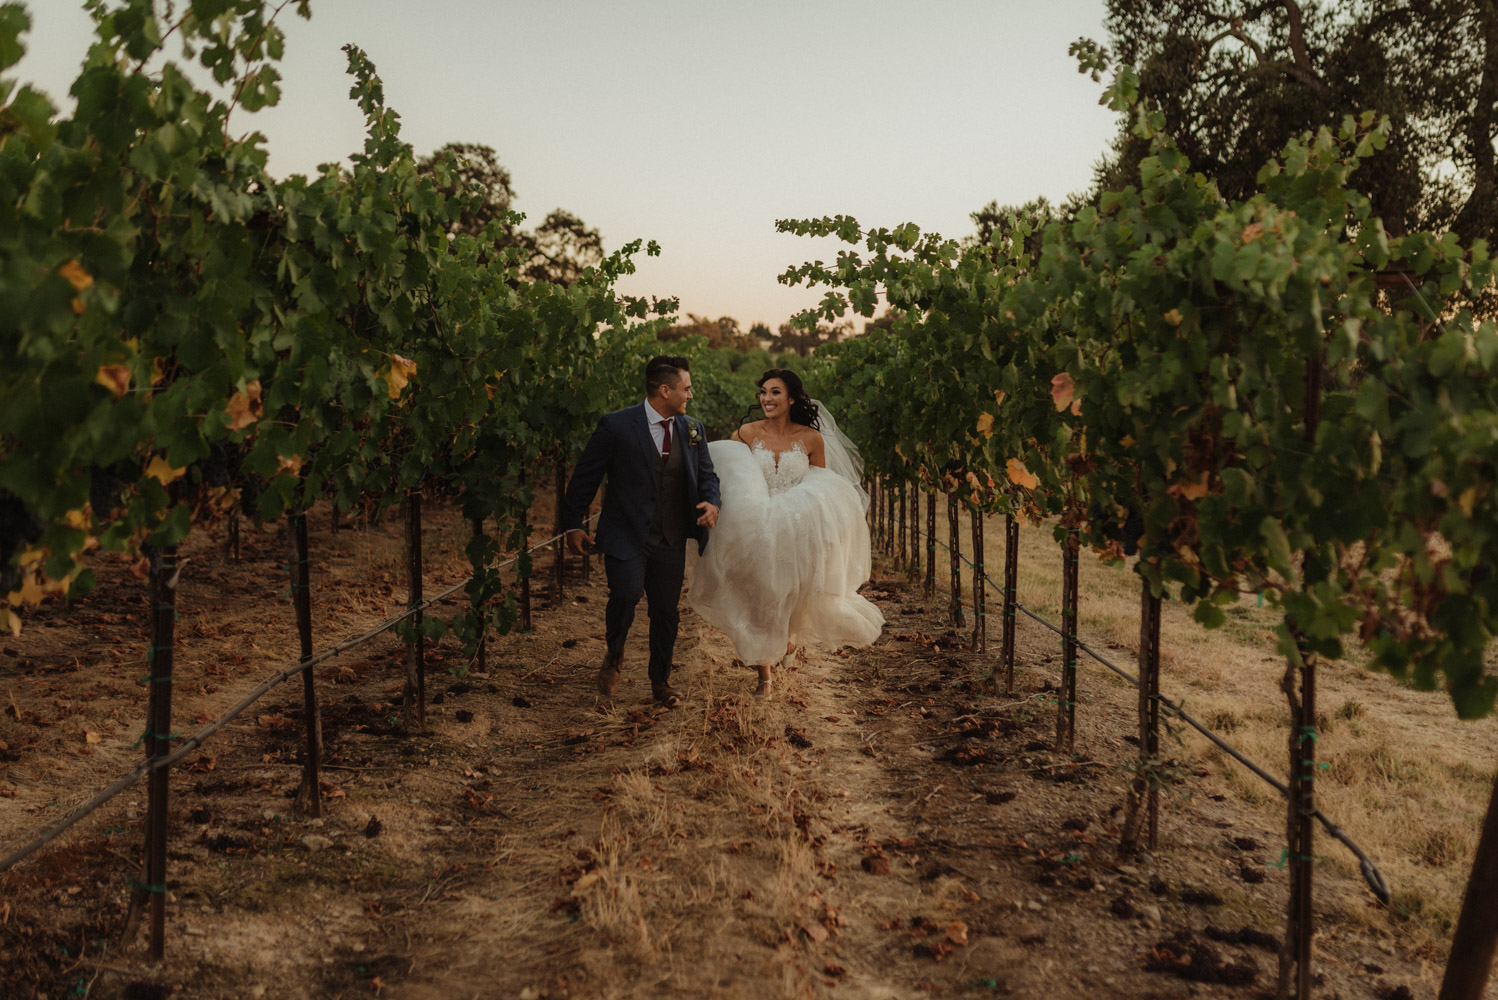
669 526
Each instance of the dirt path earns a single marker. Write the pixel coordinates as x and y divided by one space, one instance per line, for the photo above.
887 826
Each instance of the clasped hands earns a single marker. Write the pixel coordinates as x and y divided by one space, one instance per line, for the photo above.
579 542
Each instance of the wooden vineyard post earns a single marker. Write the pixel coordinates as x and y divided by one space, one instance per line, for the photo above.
481 656
558 548
1011 598
309 796
158 737
1066 698
900 548
414 701
913 571
874 509
882 534
931 544
1300 799
1300 827
889 521
1144 796
233 543
980 589
523 565
333 518
954 546
1472 945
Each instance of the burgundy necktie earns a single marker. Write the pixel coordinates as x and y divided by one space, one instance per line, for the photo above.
666 448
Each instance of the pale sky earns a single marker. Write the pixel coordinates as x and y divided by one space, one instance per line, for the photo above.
697 123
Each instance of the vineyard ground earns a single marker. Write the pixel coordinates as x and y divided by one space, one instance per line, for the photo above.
889 825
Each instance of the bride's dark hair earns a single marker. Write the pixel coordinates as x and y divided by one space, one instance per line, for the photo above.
803 410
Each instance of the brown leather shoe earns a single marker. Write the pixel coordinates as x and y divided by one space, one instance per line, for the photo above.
665 694
608 674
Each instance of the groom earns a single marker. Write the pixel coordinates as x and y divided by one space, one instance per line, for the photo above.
662 491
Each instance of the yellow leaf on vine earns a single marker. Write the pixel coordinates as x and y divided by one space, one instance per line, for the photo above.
115 378
291 464
1019 475
998 397
80 279
1174 317
985 425
1467 500
1252 231
401 371
1190 490
161 470
1127 441
1062 390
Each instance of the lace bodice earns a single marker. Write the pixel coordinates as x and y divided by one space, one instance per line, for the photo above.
782 469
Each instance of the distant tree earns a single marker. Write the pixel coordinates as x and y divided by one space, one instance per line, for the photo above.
474 170
994 218
1235 79
886 320
720 334
560 248
761 334
801 341
557 250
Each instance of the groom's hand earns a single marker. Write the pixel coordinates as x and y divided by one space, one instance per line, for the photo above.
579 542
709 516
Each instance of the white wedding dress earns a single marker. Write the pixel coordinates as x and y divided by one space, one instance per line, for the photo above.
789 552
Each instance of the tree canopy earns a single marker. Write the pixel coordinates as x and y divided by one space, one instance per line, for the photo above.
1235 79
558 250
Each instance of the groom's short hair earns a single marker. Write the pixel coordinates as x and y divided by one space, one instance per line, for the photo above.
664 369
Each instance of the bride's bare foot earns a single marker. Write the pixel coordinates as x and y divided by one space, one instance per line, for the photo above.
763 690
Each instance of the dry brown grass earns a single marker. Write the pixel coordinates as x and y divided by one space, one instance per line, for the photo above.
1404 778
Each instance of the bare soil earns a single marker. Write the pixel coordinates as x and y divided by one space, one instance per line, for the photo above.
890 824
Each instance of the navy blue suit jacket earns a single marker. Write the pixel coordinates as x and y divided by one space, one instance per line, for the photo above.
621 448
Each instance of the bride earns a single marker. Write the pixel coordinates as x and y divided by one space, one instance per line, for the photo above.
791 547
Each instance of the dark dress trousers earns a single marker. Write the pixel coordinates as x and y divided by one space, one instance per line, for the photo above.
649 512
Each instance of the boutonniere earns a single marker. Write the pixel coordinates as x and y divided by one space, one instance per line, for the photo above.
694 435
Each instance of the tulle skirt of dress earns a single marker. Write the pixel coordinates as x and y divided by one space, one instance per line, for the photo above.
784 566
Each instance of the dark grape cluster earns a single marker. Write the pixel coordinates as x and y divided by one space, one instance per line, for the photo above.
104 484
19 527
221 466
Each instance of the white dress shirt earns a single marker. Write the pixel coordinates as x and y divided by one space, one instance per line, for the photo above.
657 432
